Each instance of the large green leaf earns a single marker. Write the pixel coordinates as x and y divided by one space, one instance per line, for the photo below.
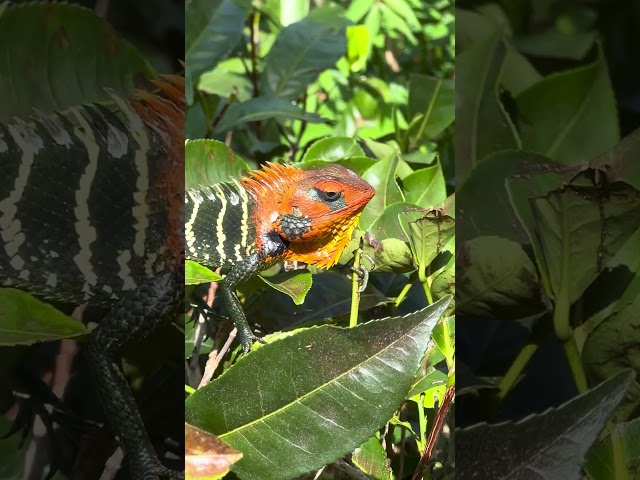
550 445
325 390
301 52
482 125
213 28
66 56
25 320
555 113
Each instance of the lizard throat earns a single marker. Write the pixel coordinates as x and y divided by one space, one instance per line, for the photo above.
324 252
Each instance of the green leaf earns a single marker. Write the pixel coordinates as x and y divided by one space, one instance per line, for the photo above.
227 78
433 100
392 255
332 149
358 9
388 224
428 233
613 345
287 11
25 320
568 431
497 280
263 108
67 56
554 44
358 46
296 284
445 281
301 52
195 274
623 160
617 455
486 207
482 125
13 461
436 378
326 404
517 72
555 113
394 23
445 338
576 229
425 187
371 458
213 28
208 162
382 177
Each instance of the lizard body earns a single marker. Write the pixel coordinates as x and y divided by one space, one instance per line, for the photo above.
277 213
91 211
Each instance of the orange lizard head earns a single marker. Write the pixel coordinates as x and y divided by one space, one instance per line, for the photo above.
314 211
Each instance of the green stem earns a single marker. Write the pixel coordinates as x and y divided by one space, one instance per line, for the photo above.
449 350
403 294
620 470
509 379
355 296
422 422
427 291
575 363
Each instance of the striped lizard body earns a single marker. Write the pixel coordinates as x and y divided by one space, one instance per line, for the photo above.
277 213
91 211
88 204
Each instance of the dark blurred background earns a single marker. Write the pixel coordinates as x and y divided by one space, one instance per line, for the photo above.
486 347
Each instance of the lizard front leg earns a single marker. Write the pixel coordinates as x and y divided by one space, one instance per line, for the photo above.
272 247
136 315
241 272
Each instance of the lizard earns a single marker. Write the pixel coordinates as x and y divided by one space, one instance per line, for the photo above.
276 213
91 211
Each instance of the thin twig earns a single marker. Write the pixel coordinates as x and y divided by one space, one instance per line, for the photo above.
255 40
215 358
303 126
434 434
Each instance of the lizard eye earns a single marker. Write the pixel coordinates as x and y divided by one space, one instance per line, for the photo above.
330 196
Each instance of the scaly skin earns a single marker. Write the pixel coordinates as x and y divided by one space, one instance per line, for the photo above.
111 237
286 212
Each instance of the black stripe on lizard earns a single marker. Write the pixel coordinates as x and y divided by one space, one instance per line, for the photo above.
91 211
277 213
